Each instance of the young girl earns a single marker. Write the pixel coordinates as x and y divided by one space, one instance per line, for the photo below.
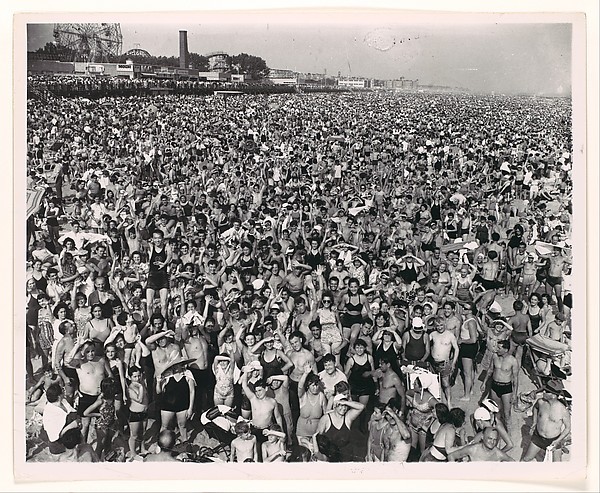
45 329
223 370
273 450
104 412
118 371
138 405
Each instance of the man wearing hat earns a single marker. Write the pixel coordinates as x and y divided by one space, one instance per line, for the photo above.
551 422
415 344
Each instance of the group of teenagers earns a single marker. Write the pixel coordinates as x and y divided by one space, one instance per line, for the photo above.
303 280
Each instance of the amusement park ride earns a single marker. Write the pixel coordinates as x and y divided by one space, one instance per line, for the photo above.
90 42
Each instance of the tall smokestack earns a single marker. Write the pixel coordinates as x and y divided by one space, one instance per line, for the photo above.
183 50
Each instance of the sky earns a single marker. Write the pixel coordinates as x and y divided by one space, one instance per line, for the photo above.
482 54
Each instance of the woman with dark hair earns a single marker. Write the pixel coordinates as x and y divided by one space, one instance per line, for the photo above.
82 313
441 416
61 314
353 307
444 440
99 327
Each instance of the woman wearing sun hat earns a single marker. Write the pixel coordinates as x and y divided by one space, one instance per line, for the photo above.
177 388
421 404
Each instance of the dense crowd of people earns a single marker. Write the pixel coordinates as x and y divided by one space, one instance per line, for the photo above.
305 277
73 85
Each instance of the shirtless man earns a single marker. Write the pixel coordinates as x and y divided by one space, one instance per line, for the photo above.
295 280
195 346
436 286
91 370
504 371
530 267
514 267
551 423
557 262
521 324
165 351
489 272
302 317
166 442
452 322
444 353
396 443
265 410
67 372
485 451
301 358
390 385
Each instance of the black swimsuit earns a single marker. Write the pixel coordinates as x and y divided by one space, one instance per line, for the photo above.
350 317
339 438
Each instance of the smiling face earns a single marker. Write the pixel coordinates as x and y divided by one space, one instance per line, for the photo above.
110 352
260 392
329 367
89 352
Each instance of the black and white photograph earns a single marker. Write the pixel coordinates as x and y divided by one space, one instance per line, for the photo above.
339 239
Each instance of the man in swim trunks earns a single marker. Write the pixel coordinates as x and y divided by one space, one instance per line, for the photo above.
444 354
551 423
505 379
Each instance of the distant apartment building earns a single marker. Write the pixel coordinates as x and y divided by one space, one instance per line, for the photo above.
402 83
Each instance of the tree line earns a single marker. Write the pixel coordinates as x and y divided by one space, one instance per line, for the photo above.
253 66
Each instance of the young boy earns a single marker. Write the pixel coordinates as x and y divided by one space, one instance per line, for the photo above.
243 448
273 450
35 393
279 385
138 406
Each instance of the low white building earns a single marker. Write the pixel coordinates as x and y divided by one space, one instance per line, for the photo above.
360 83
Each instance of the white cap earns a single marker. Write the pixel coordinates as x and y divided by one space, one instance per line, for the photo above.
417 322
482 413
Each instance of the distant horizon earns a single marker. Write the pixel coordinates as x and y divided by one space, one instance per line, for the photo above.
530 59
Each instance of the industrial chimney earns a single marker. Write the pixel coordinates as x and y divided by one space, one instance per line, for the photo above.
183 50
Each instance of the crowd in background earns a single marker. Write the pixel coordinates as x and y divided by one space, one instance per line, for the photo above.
332 277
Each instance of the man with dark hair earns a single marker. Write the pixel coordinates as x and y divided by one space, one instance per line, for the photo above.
76 449
504 371
330 374
265 410
390 385
58 418
301 358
